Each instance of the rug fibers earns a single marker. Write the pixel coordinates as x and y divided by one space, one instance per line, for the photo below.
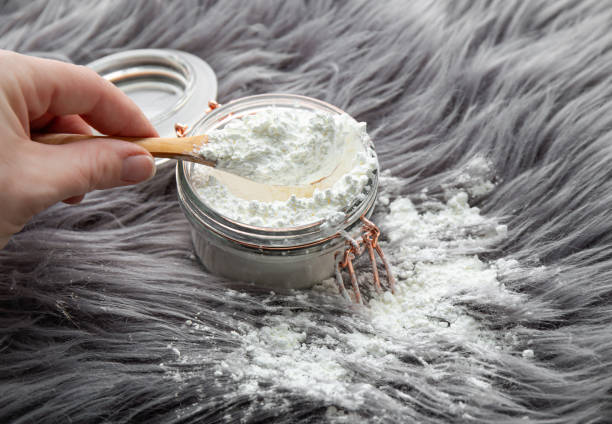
492 121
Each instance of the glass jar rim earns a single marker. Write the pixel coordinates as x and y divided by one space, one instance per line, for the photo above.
302 236
155 71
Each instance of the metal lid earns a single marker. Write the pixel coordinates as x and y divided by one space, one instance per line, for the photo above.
170 86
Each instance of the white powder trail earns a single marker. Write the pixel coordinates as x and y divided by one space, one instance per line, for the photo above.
426 247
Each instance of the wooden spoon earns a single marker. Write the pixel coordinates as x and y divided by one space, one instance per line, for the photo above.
186 148
183 148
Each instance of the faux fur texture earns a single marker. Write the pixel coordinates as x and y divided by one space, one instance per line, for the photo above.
94 298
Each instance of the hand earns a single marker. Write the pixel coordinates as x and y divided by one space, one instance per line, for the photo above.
40 95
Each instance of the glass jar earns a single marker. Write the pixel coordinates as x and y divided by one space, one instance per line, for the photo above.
295 257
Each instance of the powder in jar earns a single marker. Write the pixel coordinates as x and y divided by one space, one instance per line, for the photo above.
284 146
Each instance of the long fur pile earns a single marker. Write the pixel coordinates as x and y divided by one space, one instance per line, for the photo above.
91 296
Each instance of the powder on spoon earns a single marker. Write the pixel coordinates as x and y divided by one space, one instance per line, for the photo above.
283 146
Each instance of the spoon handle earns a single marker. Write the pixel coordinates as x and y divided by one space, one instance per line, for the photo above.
183 148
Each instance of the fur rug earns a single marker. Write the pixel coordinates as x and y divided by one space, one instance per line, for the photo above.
107 316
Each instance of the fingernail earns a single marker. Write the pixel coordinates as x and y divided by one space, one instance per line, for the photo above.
137 168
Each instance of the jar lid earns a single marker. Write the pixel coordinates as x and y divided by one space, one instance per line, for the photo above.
170 86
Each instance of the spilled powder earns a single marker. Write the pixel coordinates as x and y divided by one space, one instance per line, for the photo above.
433 250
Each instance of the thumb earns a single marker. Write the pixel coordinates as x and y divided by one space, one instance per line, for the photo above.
70 170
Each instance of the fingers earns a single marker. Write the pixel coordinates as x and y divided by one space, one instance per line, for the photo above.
56 88
70 124
45 94
66 172
74 200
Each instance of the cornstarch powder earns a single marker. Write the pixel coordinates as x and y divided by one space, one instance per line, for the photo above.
430 245
286 147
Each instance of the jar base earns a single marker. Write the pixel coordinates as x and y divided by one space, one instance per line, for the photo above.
274 272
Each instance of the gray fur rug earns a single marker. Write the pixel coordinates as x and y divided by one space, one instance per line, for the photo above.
107 316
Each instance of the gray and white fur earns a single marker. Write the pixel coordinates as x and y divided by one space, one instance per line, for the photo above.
91 296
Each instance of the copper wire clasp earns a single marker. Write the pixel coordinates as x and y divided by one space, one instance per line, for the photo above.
355 247
180 129
212 105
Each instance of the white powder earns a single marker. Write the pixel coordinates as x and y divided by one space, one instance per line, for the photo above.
286 147
528 354
297 352
281 146
475 177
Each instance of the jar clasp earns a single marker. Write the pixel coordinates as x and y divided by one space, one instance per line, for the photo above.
354 248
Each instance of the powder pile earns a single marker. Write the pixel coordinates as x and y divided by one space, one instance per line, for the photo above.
285 146
429 246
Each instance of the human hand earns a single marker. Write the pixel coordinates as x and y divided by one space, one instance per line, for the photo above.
40 95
